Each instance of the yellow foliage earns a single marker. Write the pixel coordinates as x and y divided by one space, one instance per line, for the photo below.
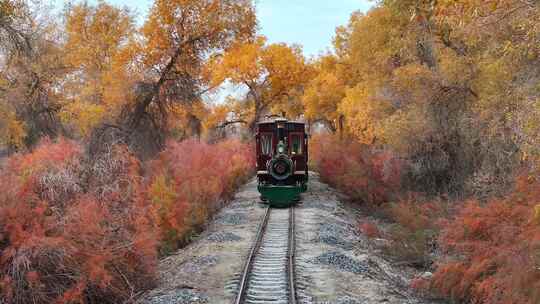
83 116
404 127
218 114
242 63
273 74
162 195
536 215
494 77
96 35
456 70
179 38
11 8
323 95
12 131
364 113
405 67
185 119
99 49
531 131
209 23
376 41
416 82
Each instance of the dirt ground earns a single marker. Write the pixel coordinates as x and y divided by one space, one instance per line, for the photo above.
334 262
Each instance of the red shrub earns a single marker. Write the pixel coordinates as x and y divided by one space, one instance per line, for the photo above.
414 231
496 250
414 214
64 236
76 230
370 230
359 171
189 179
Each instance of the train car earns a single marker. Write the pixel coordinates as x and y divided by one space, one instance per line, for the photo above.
282 157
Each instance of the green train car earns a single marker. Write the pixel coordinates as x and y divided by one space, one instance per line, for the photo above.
282 157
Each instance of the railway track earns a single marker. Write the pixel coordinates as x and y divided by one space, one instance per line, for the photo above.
268 275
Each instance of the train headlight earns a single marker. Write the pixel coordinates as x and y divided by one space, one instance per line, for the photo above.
280 167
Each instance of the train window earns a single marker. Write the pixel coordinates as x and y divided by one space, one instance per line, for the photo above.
266 144
296 143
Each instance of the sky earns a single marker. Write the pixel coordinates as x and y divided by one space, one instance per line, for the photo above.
310 23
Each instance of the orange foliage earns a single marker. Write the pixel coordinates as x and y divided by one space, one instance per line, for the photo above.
496 250
274 74
414 231
188 180
64 236
370 230
364 174
415 215
76 230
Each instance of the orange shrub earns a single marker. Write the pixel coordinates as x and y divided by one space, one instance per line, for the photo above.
73 230
189 179
364 174
414 231
495 249
369 229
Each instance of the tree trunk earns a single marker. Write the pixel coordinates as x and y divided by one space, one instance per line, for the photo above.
341 122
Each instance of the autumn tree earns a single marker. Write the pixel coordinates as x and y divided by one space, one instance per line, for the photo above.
324 93
98 51
108 81
502 38
432 81
31 70
13 17
451 88
274 76
487 55
175 42
12 129
213 124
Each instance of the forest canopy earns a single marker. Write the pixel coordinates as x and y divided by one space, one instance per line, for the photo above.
452 82
438 99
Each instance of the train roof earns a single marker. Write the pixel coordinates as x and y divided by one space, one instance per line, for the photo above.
269 122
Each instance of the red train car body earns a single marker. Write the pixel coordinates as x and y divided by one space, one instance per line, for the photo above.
282 161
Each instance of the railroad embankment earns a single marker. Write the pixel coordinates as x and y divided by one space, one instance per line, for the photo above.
334 262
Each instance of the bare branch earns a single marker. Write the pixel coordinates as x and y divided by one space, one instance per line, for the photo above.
227 123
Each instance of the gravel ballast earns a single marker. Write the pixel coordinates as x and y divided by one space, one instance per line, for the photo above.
333 263
341 262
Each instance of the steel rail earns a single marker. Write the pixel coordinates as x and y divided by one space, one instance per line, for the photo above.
291 269
259 245
249 262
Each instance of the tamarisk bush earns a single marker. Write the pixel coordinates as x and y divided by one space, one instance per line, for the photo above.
74 231
366 175
189 180
493 249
